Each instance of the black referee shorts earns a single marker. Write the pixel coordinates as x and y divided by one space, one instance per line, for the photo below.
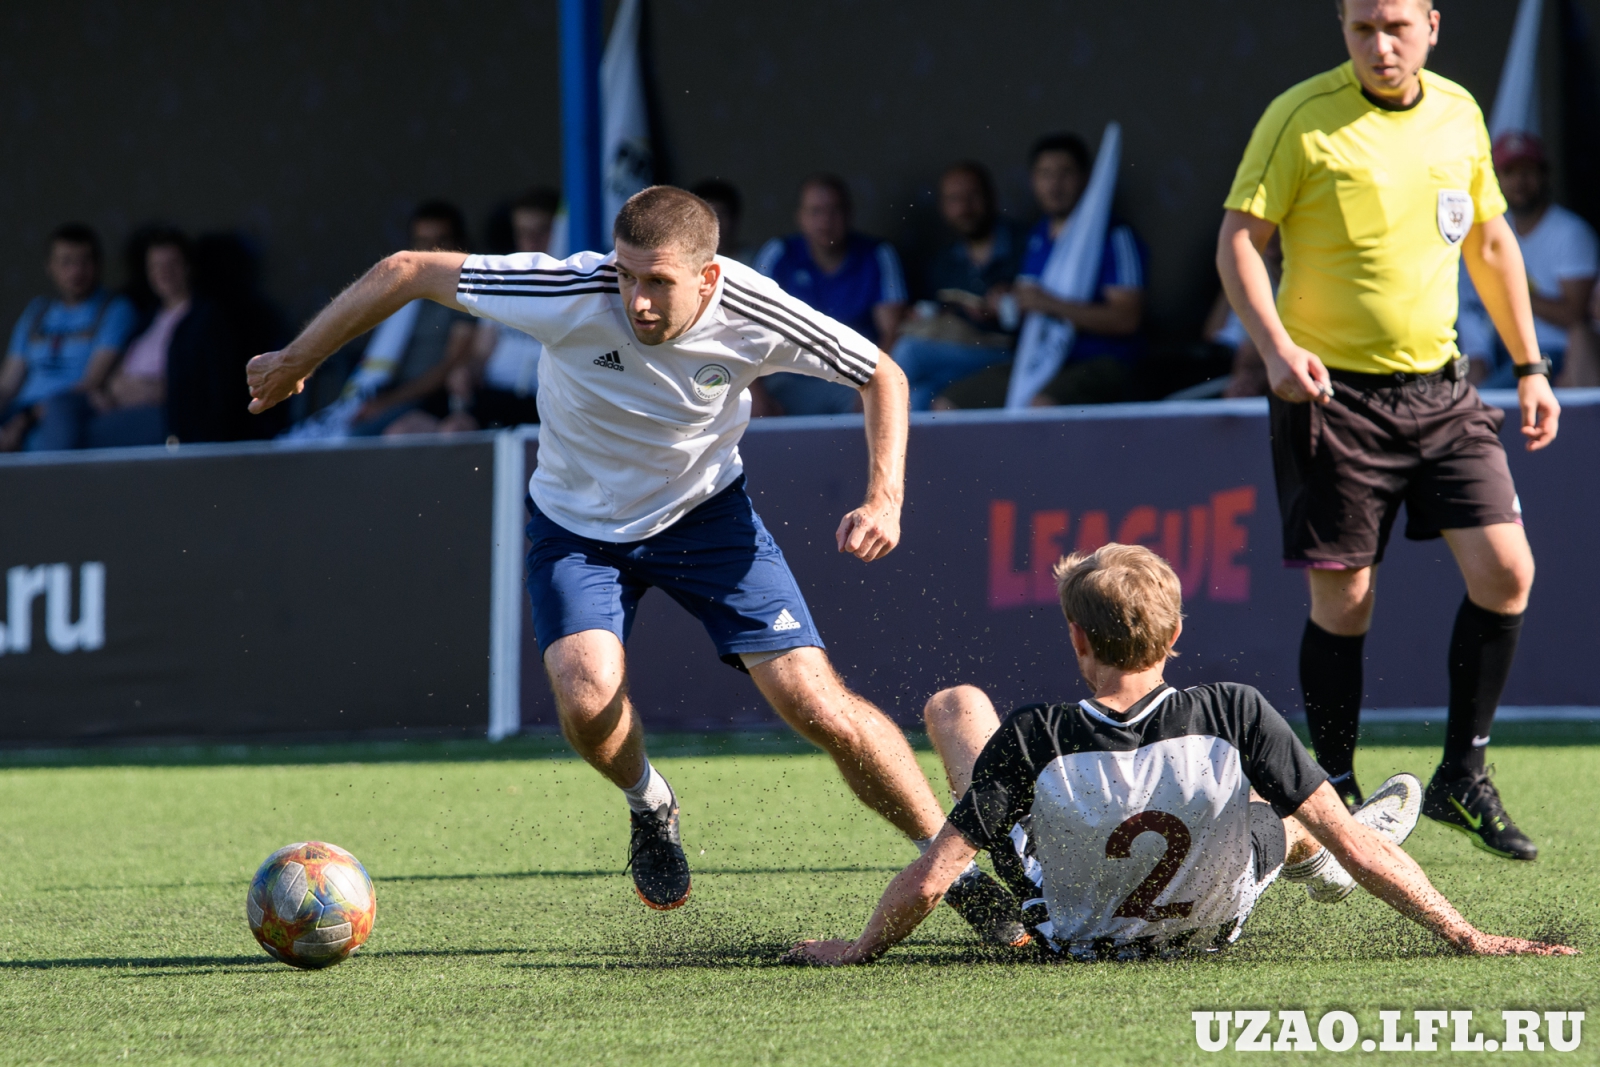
1344 468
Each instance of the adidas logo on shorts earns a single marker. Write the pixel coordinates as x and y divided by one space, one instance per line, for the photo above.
610 361
785 621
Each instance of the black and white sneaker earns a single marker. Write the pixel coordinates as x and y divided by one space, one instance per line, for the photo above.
1392 811
655 855
989 909
1472 805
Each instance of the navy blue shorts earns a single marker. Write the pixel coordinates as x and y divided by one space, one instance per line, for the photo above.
718 561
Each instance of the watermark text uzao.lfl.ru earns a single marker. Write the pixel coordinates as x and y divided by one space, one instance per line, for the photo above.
1251 1030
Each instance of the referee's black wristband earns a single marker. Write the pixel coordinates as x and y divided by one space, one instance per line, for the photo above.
1538 366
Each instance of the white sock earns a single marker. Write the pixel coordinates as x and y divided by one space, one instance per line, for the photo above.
1315 864
923 844
649 792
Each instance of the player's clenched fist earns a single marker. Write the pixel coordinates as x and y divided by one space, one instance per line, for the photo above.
273 379
1297 375
1540 410
870 532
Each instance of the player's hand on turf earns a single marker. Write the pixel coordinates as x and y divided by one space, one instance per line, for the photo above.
273 379
871 531
1540 410
1482 944
1297 375
821 953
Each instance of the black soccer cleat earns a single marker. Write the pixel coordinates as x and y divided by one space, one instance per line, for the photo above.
655 855
1472 805
989 909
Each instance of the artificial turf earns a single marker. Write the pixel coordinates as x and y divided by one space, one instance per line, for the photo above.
506 931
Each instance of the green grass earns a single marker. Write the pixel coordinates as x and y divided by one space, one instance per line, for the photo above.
507 934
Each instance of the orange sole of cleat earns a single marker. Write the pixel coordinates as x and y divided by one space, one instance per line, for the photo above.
680 902
1022 942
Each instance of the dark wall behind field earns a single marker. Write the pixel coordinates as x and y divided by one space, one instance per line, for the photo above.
315 127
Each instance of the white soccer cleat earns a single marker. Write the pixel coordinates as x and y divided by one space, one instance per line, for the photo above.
1391 811
1394 809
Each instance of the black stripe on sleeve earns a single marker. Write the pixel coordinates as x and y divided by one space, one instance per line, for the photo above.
537 283
796 314
788 334
476 290
811 338
511 272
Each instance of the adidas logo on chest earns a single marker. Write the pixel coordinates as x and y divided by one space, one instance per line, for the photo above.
610 361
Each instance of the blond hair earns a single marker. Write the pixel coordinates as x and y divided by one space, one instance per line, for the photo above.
664 216
1127 600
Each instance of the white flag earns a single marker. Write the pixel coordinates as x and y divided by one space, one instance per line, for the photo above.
626 162
1069 274
1516 103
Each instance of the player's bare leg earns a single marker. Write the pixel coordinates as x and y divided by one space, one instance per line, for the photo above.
1497 565
1301 845
870 751
1342 600
960 722
1331 675
588 674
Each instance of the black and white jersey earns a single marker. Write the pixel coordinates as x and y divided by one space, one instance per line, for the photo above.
1139 824
633 436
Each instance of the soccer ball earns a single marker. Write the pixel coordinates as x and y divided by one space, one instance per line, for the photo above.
311 904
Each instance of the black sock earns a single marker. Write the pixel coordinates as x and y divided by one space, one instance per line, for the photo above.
1481 649
1331 685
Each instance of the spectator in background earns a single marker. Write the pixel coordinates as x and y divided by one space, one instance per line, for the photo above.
725 200
1562 261
399 385
848 276
959 332
67 343
499 386
1098 368
170 383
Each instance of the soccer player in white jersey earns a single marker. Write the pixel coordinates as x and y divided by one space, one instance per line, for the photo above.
1145 821
643 396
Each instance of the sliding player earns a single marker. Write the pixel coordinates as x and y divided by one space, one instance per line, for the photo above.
643 396
1127 820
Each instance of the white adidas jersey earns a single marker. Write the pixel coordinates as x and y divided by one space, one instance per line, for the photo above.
1137 827
634 436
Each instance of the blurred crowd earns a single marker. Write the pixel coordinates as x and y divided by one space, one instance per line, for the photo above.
164 359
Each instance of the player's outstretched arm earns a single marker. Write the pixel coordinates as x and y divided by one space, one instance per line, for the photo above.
1294 374
1494 260
910 898
871 531
1388 873
396 281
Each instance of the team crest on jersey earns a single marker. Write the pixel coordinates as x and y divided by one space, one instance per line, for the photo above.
711 381
1455 215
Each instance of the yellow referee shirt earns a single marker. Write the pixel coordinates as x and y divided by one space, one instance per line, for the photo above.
1372 205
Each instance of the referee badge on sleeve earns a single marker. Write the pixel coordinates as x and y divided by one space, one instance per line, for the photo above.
1455 215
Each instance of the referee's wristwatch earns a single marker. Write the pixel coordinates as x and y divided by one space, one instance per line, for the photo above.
1539 366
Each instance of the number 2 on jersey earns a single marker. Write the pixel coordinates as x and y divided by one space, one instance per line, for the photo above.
1140 904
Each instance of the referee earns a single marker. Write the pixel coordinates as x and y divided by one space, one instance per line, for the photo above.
1378 176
